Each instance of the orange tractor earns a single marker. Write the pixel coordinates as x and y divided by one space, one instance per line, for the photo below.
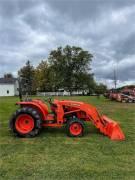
33 115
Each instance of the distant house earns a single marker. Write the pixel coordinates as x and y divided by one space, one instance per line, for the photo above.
9 86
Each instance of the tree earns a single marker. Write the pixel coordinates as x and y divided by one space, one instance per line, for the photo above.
84 82
26 75
100 88
8 76
71 67
43 76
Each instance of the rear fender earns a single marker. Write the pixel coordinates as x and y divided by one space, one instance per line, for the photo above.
38 105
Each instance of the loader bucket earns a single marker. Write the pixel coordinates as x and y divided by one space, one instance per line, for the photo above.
112 129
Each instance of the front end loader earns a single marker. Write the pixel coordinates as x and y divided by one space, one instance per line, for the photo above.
33 115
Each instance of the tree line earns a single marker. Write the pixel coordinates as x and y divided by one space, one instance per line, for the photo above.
67 68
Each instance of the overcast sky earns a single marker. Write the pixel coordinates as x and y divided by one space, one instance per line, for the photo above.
29 29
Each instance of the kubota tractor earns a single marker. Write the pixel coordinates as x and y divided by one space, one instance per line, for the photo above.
33 115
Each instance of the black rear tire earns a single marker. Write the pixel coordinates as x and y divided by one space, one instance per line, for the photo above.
33 114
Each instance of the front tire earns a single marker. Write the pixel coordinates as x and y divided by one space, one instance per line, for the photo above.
75 128
26 122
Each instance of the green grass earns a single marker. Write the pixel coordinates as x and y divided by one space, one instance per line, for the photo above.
53 155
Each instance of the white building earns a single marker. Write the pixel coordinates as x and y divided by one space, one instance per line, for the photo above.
9 87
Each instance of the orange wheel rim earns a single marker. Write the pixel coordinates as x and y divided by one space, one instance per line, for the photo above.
24 123
75 129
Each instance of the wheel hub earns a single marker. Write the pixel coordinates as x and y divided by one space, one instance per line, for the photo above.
75 129
24 123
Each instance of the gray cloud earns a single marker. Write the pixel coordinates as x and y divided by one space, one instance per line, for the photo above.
87 9
29 29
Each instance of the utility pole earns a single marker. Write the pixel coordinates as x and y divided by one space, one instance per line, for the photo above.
115 79
20 88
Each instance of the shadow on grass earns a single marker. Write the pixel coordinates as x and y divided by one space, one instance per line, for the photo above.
56 132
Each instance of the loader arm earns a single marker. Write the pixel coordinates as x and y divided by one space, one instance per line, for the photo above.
106 125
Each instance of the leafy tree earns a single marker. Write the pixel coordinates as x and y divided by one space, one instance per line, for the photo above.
70 66
26 75
100 88
84 82
44 77
8 75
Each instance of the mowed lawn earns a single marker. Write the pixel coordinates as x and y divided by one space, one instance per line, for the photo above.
53 155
